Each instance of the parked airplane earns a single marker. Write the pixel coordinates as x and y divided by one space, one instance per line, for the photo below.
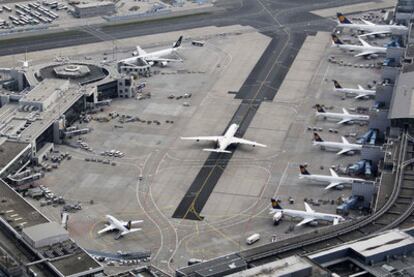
309 215
344 117
371 28
334 180
124 227
344 146
364 50
154 57
224 141
360 92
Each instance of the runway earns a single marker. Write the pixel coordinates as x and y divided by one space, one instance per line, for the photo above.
295 16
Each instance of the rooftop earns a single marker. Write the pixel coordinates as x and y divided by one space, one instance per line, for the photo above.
45 230
10 150
286 266
45 89
16 211
93 4
402 102
367 248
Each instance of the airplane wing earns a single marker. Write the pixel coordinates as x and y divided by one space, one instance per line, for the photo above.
364 43
360 96
375 33
344 121
133 230
344 140
245 141
206 138
308 208
332 185
345 111
343 151
367 22
106 229
137 221
305 221
217 150
164 60
365 53
333 173
360 87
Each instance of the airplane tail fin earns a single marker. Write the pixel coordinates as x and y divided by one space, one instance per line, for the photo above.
342 18
275 204
140 51
320 109
317 137
177 44
216 150
303 170
336 40
336 84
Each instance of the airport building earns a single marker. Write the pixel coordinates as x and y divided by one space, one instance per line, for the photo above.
40 103
94 9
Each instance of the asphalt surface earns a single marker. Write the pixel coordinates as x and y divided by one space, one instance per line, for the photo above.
287 22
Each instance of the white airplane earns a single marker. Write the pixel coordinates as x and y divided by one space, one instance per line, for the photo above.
154 57
224 141
371 28
360 92
123 227
343 117
364 50
309 215
334 180
344 146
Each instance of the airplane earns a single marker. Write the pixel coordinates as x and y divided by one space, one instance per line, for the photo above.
334 180
364 50
224 141
371 28
124 227
309 215
344 117
344 146
360 92
154 57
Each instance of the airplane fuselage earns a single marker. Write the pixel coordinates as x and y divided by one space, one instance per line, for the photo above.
356 91
338 145
149 56
225 140
342 116
329 179
303 214
157 54
118 224
361 48
375 28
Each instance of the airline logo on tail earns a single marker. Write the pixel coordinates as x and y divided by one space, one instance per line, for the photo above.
336 40
316 137
336 84
275 204
342 19
178 42
303 170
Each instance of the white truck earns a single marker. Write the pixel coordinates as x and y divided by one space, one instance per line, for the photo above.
252 239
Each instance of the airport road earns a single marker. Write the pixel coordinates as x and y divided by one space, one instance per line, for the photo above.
293 15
